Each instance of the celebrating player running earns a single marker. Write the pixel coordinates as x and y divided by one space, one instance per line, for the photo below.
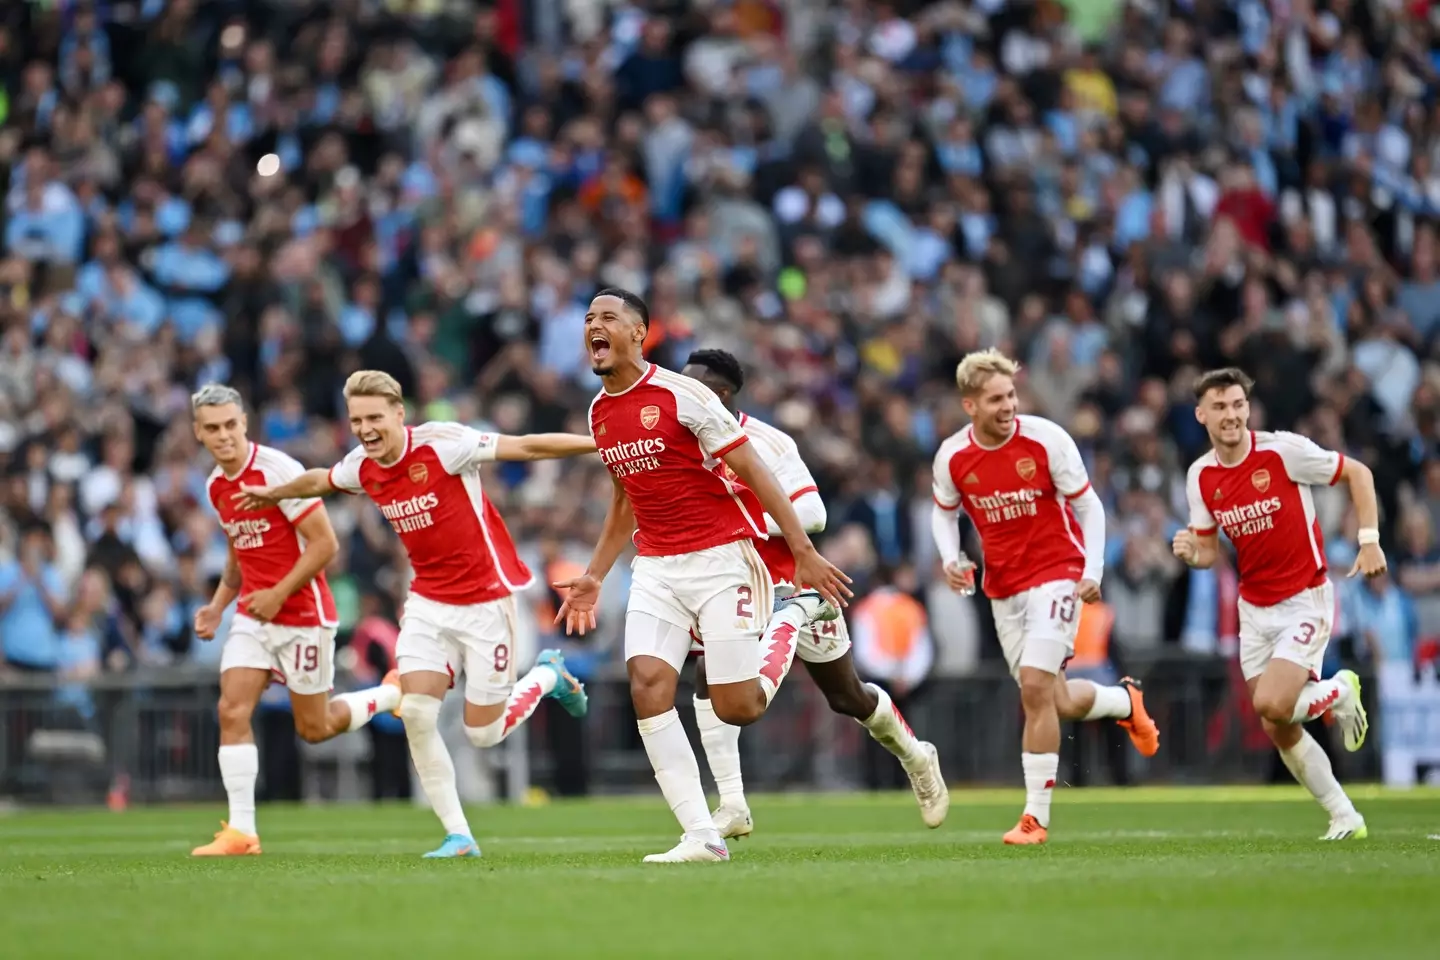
1023 484
823 647
461 613
1256 487
285 624
697 568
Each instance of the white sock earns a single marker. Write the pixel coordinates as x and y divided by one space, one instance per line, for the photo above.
721 741
1317 697
778 646
678 773
1308 762
432 761
889 729
239 766
524 697
1040 770
364 704
1109 702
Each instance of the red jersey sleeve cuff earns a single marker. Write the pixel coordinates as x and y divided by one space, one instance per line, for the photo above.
307 511
945 506
733 444
1339 469
1205 532
330 478
802 491
1078 493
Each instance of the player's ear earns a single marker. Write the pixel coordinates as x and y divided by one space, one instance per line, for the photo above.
1200 413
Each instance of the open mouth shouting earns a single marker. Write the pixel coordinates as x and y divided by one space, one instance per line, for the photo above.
372 442
599 347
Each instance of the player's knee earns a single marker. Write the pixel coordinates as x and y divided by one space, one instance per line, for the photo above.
487 736
651 690
420 713
234 714
311 731
1271 707
1037 690
739 711
1283 735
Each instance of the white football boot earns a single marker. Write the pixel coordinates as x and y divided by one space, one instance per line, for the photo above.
930 789
692 850
1347 828
732 822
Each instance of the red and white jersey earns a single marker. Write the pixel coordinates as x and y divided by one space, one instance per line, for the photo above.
781 454
267 543
657 437
458 544
1263 504
1018 496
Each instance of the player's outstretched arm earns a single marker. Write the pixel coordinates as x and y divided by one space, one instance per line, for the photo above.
543 446
811 569
1370 561
321 546
311 483
582 593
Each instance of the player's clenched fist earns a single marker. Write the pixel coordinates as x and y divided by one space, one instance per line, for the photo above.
1184 545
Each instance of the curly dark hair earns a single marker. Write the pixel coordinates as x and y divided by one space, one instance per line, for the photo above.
721 363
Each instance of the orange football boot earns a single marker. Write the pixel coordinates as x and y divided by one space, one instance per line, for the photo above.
229 842
392 679
1143 732
1027 831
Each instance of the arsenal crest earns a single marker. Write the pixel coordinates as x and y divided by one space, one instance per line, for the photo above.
1261 479
649 416
419 473
1026 469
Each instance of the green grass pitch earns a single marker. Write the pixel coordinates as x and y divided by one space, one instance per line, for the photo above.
1164 873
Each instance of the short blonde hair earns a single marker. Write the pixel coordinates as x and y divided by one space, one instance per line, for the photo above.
373 383
978 367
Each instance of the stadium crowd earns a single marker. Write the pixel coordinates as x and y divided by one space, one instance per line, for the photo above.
847 195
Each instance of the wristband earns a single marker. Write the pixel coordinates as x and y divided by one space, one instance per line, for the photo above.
1368 536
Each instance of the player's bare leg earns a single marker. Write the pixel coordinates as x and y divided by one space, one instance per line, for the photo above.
1124 703
1041 754
653 683
873 709
320 716
1285 696
240 691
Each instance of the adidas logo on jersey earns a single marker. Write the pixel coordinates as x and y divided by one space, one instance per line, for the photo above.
971 480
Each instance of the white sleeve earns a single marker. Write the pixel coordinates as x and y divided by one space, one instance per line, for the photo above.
281 468
345 475
945 528
704 415
809 508
942 485
461 449
1306 461
1067 467
1091 514
1201 520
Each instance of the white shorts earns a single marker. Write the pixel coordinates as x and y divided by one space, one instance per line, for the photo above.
478 640
723 594
302 658
823 642
1297 629
1037 627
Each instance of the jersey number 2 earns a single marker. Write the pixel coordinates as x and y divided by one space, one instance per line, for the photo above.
744 602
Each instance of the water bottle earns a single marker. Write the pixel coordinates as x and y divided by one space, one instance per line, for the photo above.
967 568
